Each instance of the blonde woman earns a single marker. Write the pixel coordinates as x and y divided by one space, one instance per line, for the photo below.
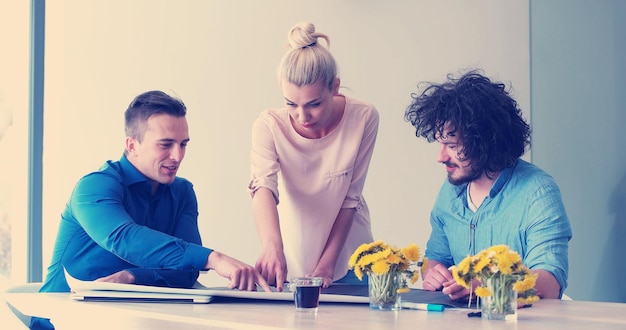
316 152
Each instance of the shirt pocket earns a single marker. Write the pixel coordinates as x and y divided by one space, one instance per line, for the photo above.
339 174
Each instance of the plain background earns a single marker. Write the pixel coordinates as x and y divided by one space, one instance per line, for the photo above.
220 57
578 65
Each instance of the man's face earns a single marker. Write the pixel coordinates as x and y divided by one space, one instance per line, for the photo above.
162 150
451 154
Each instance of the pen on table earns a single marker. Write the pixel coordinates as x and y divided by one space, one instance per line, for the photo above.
423 307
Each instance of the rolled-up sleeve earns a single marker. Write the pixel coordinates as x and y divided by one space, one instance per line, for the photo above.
264 165
548 234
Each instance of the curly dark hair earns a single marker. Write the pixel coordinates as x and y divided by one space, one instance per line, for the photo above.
481 113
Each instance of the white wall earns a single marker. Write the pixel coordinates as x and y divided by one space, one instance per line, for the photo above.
14 66
220 58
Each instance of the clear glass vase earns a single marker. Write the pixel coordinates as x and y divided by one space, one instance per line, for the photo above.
502 304
383 291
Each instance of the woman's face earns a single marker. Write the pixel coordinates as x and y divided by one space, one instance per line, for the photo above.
311 108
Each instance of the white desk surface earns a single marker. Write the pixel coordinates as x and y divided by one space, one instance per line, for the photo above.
254 314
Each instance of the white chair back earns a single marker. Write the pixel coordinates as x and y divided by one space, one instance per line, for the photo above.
9 309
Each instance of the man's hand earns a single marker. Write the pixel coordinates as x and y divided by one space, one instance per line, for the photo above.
241 275
455 291
436 276
123 276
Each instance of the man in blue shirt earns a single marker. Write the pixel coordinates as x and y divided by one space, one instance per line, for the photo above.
492 196
134 220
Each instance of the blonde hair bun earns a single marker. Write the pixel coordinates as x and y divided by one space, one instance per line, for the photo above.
306 61
303 35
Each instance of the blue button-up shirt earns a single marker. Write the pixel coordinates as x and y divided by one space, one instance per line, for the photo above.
523 210
113 223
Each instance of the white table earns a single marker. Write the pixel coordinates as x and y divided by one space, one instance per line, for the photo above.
255 314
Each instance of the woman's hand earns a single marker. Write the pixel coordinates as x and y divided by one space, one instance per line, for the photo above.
325 274
241 275
272 265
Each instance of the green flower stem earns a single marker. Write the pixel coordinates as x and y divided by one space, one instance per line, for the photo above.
383 288
501 288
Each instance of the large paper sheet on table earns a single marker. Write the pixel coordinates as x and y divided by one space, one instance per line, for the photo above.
102 291
340 293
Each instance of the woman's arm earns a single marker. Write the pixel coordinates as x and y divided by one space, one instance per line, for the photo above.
271 262
336 239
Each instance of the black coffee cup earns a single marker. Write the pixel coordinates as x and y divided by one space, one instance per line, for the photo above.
306 293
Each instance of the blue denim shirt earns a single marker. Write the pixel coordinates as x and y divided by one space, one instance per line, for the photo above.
113 223
523 210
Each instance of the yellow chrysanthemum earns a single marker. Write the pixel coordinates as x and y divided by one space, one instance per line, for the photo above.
377 246
485 254
459 278
482 291
526 301
354 258
393 258
515 258
504 264
380 267
480 265
360 250
404 289
527 283
498 249
464 265
380 258
359 273
370 259
500 262
411 252
518 268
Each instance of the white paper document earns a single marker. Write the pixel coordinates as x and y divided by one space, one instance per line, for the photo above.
105 291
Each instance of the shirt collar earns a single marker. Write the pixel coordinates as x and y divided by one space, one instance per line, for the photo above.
502 179
131 174
460 189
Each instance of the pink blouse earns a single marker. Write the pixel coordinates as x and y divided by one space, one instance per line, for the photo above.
316 178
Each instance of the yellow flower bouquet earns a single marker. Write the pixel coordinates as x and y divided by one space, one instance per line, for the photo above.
500 272
389 271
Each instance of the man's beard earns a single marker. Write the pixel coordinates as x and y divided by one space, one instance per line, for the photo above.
466 178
